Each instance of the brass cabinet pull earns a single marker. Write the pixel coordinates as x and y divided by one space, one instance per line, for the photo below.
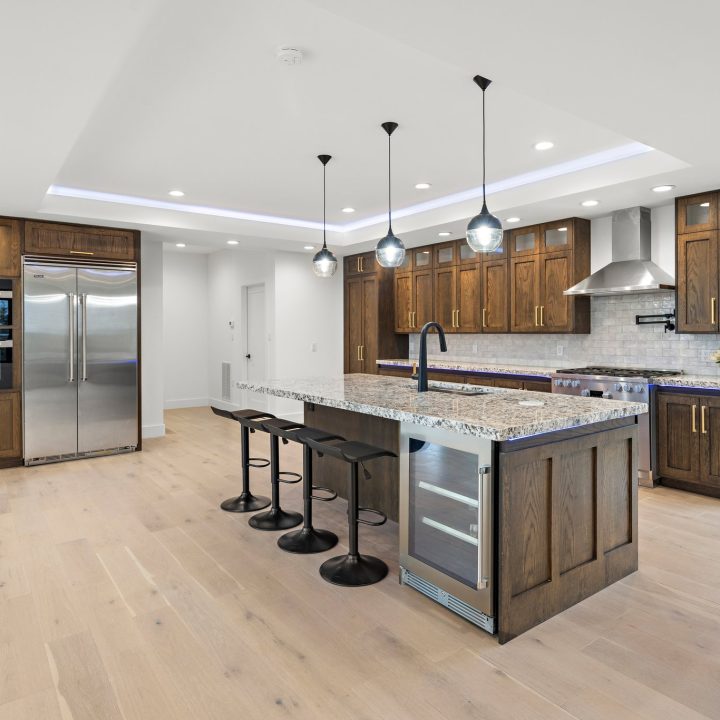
703 429
458 319
414 315
357 265
694 422
713 310
358 352
409 318
536 316
484 320
81 252
362 264
362 352
542 319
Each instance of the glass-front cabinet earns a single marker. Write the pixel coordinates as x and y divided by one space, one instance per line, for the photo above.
446 519
697 213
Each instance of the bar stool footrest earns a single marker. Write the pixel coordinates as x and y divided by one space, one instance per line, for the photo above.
258 462
374 523
297 477
332 495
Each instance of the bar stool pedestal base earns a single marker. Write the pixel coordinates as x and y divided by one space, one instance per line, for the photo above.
276 519
245 502
307 541
353 570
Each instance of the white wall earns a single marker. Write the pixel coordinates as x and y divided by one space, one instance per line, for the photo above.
151 309
185 329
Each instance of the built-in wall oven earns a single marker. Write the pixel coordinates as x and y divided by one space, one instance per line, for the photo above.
446 520
6 338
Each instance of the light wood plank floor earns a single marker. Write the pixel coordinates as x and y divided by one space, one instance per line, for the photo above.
125 593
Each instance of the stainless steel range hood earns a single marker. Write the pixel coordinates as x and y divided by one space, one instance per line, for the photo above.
631 269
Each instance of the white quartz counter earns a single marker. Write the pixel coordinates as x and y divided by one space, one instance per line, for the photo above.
497 415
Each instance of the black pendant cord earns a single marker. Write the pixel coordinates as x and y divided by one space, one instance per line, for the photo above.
324 204
483 148
389 185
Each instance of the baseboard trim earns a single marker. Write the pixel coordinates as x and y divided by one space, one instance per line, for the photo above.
186 403
153 431
223 404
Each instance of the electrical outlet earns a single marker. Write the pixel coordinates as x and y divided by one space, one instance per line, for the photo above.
560 350
475 347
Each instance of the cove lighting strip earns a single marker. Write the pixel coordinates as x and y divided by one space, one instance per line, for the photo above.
622 152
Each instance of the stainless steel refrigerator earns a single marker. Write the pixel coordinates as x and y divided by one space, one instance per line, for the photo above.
80 371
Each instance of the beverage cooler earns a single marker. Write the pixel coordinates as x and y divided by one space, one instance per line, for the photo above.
446 520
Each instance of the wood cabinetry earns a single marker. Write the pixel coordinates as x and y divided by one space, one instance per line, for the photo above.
361 264
495 294
369 321
688 440
43 238
414 283
10 428
9 247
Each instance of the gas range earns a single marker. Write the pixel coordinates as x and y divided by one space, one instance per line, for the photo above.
618 384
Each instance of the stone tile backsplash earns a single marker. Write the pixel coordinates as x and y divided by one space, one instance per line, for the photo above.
615 340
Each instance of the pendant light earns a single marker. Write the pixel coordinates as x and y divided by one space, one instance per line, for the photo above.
390 251
324 262
484 231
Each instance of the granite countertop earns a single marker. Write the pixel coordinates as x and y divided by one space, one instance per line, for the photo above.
496 415
495 368
708 382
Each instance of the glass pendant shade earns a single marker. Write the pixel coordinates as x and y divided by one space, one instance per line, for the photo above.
390 251
484 232
324 263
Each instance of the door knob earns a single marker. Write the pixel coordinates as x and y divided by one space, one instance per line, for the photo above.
248 356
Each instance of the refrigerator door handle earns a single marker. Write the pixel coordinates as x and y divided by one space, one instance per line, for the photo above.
83 303
73 334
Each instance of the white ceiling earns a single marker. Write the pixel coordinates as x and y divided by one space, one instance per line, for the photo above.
139 97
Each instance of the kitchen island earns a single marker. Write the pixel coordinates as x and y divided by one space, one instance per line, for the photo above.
512 505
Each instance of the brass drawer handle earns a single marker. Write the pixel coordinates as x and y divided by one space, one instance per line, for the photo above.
694 421
457 321
542 318
713 310
484 322
81 252
703 429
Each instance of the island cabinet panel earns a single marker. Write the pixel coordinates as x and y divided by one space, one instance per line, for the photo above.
43 238
567 522
381 490
9 247
697 282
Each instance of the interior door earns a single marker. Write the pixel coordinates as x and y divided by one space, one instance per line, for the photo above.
50 367
555 278
525 293
678 440
255 345
495 296
697 282
353 325
107 359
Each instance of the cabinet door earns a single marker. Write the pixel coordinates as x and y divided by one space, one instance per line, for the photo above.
678 436
353 325
79 240
466 255
10 422
469 297
422 298
697 282
509 383
369 345
446 298
556 236
446 254
495 296
422 258
555 278
9 247
697 213
403 303
525 241
710 441
524 294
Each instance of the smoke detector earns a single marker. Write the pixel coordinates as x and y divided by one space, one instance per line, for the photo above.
289 56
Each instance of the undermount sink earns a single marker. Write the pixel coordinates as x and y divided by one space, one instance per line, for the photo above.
470 392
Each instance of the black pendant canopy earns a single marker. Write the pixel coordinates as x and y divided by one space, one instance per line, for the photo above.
390 251
484 231
324 262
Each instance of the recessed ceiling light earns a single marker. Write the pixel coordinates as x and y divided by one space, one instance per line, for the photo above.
544 145
512 219
308 247
179 244
233 242
177 193
444 233
348 210
663 188
590 203
422 186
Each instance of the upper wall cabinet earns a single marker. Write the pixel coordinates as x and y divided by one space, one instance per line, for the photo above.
697 263
9 247
361 264
79 241
525 241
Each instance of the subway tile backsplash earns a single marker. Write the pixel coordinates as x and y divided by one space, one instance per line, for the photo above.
615 340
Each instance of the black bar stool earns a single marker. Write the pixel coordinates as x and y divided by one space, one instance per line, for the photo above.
276 518
246 501
354 569
310 539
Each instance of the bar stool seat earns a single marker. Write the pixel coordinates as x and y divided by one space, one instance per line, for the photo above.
248 419
354 569
276 518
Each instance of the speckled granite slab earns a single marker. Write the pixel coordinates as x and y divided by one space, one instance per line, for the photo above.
496 415
707 382
542 372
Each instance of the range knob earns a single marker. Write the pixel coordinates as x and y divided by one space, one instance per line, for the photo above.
585 392
575 383
566 383
639 388
558 382
619 387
